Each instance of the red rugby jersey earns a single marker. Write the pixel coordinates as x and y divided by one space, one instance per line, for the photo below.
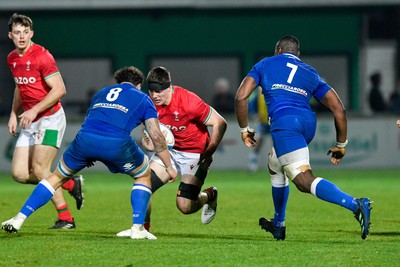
30 72
186 116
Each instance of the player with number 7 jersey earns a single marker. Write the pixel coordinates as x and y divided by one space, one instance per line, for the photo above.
288 84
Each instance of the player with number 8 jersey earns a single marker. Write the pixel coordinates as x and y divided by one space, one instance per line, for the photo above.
105 136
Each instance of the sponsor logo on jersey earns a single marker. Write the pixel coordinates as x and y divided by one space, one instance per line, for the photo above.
24 80
112 106
176 129
289 88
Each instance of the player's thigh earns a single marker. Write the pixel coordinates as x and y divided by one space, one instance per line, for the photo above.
295 162
192 180
123 156
160 171
291 132
50 129
42 159
21 163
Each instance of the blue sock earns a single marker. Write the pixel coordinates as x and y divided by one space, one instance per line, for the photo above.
140 197
280 197
325 190
42 194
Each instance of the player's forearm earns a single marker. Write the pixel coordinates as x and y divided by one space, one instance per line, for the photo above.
341 127
241 109
165 157
16 105
218 133
50 100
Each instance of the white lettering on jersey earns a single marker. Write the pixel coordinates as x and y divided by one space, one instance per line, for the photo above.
24 80
289 88
112 106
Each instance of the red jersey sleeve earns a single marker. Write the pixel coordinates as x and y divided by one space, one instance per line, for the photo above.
47 64
198 109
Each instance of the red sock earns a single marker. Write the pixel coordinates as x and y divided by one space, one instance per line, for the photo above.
147 226
64 214
210 193
68 185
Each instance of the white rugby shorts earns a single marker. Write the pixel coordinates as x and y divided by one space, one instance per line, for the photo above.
48 131
183 162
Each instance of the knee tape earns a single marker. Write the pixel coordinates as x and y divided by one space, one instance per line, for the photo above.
274 165
156 182
188 191
278 178
293 169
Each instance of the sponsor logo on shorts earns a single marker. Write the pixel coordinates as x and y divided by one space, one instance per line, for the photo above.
128 166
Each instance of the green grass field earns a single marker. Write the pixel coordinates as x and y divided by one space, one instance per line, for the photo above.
318 233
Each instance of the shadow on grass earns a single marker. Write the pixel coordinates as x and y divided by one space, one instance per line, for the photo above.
263 237
386 233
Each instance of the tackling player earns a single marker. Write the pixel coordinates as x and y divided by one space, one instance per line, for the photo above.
105 136
288 85
38 90
188 117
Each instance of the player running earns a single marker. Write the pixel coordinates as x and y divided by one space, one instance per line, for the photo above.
188 117
288 85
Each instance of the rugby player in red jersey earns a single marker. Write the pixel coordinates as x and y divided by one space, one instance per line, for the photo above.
188 117
36 105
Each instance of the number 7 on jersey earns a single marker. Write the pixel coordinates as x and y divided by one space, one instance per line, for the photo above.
292 72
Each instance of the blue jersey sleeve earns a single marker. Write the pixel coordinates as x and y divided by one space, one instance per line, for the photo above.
255 72
321 89
150 110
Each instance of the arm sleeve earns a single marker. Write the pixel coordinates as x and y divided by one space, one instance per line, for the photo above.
197 108
48 66
322 88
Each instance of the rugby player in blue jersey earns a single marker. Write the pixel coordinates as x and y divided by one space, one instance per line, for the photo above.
287 85
105 136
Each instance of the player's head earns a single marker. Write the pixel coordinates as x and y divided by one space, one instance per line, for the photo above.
129 75
19 19
159 85
288 44
20 31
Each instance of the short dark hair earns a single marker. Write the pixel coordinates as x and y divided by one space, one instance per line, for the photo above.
19 19
159 75
129 74
288 43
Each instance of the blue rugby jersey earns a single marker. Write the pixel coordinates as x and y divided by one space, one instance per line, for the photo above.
288 83
116 110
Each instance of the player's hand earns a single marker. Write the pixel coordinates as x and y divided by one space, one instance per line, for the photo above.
248 138
173 174
337 154
12 126
26 118
398 123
